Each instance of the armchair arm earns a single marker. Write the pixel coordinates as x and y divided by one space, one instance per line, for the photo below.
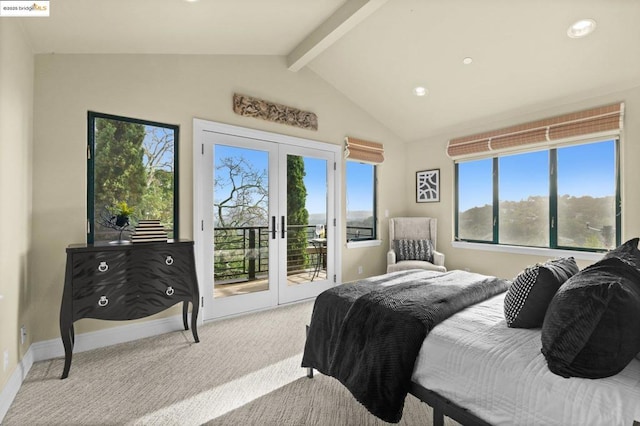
391 257
438 258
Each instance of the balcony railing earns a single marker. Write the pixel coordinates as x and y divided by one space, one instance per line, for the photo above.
242 253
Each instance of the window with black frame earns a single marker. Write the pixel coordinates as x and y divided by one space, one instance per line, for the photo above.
132 174
361 201
566 197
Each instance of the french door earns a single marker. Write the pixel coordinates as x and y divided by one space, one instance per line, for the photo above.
267 218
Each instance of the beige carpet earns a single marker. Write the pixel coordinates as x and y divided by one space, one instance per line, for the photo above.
245 371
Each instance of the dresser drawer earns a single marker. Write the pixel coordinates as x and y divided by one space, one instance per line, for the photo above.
164 262
106 302
161 295
100 268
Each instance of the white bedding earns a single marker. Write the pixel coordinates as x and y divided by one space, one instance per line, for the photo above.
500 375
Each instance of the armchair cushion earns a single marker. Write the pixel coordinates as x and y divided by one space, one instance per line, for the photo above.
413 250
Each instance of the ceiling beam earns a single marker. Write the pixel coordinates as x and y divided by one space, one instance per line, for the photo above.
350 14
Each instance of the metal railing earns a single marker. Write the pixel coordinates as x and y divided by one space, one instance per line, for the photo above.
242 253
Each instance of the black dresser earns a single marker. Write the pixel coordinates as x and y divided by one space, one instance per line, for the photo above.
125 282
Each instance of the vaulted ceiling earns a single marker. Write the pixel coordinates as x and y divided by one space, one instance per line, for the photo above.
377 51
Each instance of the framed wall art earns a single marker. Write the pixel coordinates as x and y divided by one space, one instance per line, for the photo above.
428 186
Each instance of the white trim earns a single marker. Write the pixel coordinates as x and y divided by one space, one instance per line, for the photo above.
202 129
11 388
365 243
53 348
532 251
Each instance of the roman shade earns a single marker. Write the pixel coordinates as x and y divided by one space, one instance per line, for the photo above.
365 151
595 122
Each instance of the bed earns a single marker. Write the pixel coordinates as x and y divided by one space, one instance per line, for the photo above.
471 366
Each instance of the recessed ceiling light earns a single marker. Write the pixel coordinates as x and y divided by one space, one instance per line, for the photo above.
419 91
581 28
467 60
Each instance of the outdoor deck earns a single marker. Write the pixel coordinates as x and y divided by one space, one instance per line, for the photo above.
261 284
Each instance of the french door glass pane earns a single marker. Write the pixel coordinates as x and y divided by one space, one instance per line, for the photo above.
524 199
475 200
306 219
240 215
586 196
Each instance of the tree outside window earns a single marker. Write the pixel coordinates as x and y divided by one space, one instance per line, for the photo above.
134 162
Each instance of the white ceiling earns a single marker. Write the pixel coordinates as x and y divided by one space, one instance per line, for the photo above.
377 51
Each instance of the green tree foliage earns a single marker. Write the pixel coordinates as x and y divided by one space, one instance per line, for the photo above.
584 222
119 170
525 222
157 200
133 164
297 214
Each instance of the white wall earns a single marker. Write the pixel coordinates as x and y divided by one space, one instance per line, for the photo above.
16 111
431 153
170 89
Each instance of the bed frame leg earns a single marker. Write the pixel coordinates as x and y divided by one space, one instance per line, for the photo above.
309 370
438 417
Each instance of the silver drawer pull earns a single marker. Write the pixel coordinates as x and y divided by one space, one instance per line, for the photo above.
103 267
103 301
170 291
169 260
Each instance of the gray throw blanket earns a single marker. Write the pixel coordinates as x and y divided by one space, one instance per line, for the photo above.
368 334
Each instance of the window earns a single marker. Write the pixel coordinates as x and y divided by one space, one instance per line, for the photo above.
523 194
361 201
134 162
565 197
475 198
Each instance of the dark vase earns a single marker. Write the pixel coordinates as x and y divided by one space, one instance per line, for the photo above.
122 220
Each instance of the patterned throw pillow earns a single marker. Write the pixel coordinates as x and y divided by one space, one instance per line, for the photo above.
413 250
526 302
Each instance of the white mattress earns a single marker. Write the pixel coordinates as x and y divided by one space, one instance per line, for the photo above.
500 375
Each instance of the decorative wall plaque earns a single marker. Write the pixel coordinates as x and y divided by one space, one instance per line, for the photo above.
258 108
428 186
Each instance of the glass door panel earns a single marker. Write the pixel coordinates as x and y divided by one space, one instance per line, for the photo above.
239 247
306 219
267 233
241 221
307 253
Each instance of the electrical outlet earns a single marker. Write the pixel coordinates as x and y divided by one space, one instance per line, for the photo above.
23 334
359 270
6 360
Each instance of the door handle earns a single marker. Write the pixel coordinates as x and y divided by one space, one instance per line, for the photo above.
273 227
283 227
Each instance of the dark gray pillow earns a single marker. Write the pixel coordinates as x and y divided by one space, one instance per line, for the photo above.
627 252
531 292
592 326
413 250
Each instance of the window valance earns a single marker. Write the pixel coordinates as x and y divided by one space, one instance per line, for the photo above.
604 120
365 151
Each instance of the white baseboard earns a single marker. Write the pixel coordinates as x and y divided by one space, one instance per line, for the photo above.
49 349
12 387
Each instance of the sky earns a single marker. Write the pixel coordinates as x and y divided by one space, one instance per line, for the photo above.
582 170
359 178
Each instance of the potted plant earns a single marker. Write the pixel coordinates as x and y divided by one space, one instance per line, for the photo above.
122 213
